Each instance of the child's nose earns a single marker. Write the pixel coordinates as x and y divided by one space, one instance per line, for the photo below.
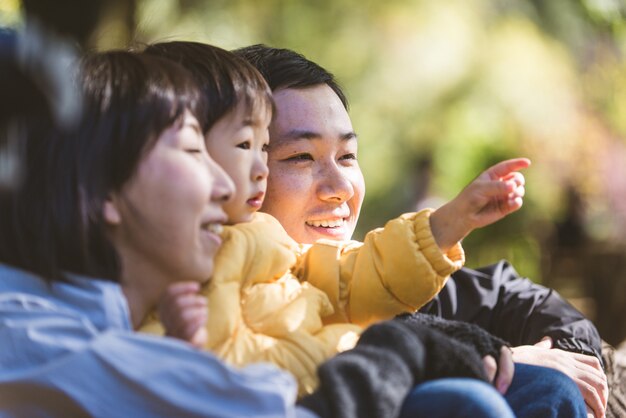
260 170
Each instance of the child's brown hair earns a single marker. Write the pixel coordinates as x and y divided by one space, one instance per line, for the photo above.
225 79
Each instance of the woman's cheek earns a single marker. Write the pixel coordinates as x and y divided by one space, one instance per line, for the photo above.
189 183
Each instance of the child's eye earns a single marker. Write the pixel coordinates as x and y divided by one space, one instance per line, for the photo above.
265 148
349 156
244 145
301 157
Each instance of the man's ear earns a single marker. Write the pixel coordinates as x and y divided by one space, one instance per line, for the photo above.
110 211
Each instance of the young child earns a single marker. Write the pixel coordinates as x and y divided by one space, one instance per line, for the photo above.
267 288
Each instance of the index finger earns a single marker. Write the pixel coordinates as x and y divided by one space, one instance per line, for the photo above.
505 167
506 368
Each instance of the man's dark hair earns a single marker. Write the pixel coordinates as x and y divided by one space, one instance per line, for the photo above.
284 68
224 78
53 222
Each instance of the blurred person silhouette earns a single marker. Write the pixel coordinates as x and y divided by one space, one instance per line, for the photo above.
35 72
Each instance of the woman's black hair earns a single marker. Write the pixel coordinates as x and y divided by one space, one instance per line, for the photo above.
53 222
224 78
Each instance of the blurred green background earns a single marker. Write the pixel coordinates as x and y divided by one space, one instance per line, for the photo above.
440 90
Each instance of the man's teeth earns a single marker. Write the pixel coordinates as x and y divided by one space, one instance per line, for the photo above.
213 227
326 224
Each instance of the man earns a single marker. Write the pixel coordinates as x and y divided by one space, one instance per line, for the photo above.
315 189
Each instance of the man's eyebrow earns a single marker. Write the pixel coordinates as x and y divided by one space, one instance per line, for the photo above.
296 134
349 135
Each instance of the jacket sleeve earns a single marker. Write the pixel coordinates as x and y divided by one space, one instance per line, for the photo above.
514 309
59 365
396 269
390 359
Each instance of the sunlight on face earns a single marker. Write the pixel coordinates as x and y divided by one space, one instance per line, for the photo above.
315 186
166 218
238 142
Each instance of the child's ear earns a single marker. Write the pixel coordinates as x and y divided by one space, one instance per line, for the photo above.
111 212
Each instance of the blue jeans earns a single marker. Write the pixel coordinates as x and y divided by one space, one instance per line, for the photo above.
536 392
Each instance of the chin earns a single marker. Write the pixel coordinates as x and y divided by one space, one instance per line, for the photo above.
205 272
247 217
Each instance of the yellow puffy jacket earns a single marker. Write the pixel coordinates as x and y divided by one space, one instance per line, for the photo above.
273 300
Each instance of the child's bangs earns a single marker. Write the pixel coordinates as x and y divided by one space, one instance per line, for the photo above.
252 91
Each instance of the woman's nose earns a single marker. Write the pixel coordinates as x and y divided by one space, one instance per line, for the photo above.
334 185
223 185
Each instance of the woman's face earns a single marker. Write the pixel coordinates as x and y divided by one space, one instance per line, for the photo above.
165 221
315 186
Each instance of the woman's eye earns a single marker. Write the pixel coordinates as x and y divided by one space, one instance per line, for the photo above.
265 148
301 157
244 145
196 153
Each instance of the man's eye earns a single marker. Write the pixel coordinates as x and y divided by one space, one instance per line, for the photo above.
244 145
301 157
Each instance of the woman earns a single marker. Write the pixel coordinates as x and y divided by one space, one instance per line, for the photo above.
105 219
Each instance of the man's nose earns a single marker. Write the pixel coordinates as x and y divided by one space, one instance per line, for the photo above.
334 185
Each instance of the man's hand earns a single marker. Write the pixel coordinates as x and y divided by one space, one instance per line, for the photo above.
500 373
585 370
494 194
184 313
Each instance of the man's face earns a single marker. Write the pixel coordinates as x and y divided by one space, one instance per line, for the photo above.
315 186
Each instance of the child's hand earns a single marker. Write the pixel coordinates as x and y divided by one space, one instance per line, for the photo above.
184 313
495 193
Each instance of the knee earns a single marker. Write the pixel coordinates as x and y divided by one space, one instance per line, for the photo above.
480 399
544 392
552 381
561 389
456 397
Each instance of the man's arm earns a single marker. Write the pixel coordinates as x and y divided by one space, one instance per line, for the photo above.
526 314
514 309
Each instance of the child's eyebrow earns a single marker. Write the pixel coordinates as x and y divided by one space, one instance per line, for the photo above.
252 121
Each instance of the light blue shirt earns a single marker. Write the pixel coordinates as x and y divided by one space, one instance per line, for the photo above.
68 350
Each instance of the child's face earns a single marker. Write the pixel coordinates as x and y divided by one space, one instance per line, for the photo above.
238 142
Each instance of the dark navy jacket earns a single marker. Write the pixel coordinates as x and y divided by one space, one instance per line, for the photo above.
515 309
